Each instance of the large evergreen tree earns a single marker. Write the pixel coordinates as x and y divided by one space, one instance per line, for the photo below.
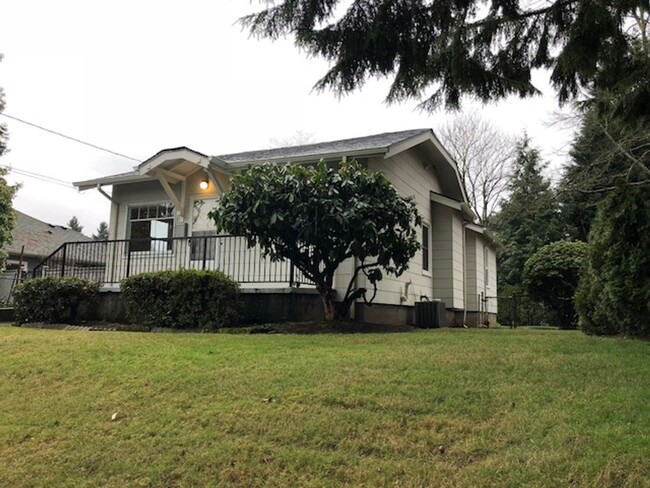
613 295
440 50
7 215
604 153
4 133
529 216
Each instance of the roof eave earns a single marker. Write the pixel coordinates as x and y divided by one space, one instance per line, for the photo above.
109 180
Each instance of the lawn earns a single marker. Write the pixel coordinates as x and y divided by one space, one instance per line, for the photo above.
431 408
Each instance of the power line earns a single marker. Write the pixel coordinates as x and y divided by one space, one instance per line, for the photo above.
68 137
38 176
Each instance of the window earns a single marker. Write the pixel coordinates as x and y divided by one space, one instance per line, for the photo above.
425 248
148 224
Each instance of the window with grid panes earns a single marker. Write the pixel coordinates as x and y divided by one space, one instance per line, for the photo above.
151 227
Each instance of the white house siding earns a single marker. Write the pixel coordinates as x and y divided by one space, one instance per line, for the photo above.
471 264
475 284
448 260
411 176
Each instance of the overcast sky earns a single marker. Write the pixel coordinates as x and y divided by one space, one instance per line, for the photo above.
137 77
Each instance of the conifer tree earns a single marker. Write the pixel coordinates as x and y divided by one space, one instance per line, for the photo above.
74 224
529 217
102 232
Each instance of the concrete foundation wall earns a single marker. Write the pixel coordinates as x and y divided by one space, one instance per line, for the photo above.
257 306
386 314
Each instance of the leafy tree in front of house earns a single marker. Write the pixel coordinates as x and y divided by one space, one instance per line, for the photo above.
319 217
102 232
529 217
613 295
551 276
74 224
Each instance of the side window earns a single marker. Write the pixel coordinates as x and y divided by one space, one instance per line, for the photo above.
425 247
148 224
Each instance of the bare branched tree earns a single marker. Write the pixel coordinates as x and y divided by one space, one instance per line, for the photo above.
299 138
484 156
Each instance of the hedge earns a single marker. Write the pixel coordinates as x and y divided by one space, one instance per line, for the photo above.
185 299
52 299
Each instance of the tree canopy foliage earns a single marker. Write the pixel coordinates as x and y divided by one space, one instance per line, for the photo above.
440 50
551 276
319 217
605 153
529 217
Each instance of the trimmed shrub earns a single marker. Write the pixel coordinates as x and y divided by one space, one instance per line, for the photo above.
52 299
551 276
185 299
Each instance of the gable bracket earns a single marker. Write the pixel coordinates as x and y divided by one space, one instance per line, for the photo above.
172 196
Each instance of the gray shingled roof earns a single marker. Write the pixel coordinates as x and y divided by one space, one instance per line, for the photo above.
345 147
40 238
367 143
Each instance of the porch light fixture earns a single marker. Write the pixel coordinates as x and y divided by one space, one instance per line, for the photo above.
204 184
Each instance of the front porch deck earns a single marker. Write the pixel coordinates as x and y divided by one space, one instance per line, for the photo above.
109 262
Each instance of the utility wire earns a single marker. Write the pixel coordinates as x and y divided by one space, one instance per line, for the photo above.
68 137
37 176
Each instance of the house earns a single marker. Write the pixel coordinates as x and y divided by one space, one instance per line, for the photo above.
159 220
36 240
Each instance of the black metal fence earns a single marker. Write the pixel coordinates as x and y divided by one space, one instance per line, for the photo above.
518 310
109 262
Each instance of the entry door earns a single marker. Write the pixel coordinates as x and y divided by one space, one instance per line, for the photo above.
203 251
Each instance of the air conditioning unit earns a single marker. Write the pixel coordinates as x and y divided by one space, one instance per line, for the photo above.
430 314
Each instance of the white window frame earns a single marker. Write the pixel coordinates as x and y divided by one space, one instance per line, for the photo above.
128 222
426 226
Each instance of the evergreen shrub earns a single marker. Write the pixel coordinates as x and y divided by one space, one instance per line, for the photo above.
52 299
184 299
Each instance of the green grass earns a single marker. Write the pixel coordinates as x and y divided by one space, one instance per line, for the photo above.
511 408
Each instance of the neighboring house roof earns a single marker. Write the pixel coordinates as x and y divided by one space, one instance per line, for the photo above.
39 238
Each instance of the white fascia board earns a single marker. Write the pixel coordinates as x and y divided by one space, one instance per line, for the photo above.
451 161
408 144
183 153
110 180
446 201
489 236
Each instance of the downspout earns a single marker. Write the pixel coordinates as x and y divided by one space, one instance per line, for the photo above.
464 276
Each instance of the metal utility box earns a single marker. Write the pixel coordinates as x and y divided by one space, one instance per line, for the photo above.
430 314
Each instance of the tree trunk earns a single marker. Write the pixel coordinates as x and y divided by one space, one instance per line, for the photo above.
328 305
